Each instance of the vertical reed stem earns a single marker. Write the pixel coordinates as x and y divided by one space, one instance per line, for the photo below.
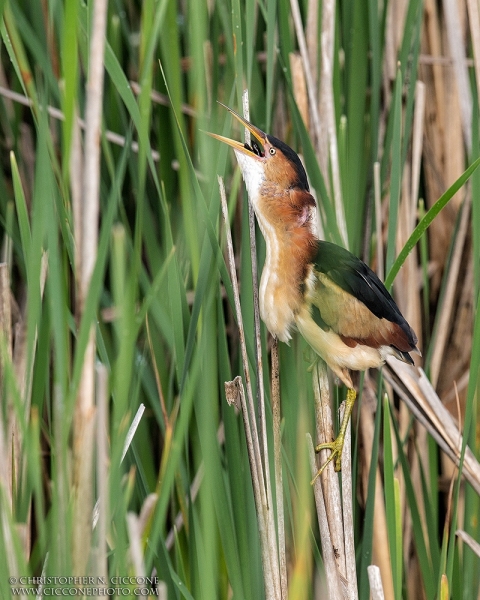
83 435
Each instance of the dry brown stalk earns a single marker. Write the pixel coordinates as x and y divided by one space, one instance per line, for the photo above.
378 219
457 350
102 458
456 365
473 544
454 32
318 131
84 418
445 316
327 112
311 34
443 153
299 86
135 547
335 518
375 579
332 575
330 483
347 513
417 148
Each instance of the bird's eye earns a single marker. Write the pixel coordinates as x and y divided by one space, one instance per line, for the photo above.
272 151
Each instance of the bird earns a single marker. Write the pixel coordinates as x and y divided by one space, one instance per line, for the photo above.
332 298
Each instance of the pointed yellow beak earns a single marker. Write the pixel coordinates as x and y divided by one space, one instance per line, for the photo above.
244 148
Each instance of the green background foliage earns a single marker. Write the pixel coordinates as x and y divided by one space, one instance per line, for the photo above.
160 298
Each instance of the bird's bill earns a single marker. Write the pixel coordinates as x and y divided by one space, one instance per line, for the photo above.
244 148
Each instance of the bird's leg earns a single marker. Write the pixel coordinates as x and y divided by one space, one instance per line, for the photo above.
337 445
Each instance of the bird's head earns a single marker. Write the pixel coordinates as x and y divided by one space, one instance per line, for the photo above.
267 163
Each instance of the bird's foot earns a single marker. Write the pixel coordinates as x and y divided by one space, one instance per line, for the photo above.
336 448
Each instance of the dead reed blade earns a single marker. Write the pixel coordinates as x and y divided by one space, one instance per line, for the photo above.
414 387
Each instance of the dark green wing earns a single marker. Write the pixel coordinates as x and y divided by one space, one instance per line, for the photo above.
355 277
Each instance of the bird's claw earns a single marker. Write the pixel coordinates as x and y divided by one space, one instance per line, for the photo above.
336 448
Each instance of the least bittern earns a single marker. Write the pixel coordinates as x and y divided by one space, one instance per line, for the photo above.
330 296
